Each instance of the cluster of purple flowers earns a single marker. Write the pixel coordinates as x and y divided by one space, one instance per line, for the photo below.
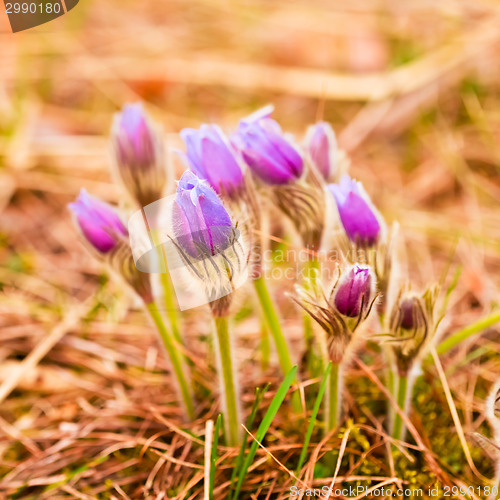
219 165
229 171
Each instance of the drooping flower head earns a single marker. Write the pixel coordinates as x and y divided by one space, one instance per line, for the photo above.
360 219
98 221
139 155
210 156
354 292
201 224
321 144
270 155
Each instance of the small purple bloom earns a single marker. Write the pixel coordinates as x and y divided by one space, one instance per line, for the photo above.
411 313
359 218
138 150
211 157
322 147
266 150
202 225
98 222
354 292
134 137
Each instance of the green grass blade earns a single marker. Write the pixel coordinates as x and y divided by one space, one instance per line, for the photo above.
469 331
264 425
314 414
213 455
259 396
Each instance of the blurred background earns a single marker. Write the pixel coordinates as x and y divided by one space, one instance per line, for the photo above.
411 88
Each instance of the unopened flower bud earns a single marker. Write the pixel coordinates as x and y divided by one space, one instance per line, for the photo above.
208 244
202 225
411 326
270 155
99 223
349 305
139 154
105 232
360 219
411 315
210 156
354 293
321 145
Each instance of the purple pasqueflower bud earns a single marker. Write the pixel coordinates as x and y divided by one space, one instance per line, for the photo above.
410 313
210 156
354 292
270 155
139 155
201 224
98 221
321 144
357 214
411 325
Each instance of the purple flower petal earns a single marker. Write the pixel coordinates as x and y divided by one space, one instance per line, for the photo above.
266 150
135 137
201 223
211 157
353 294
409 309
98 222
359 219
322 145
138 152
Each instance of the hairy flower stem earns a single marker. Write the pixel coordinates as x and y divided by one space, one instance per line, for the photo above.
168 292
174 357
165 281
334 397
226 374
399 429
279 339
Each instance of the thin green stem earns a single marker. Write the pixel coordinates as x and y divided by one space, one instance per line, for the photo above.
309 285
170 304
175 359
398 430
314 414
391 382
279 339
165 279
230 401
334 397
